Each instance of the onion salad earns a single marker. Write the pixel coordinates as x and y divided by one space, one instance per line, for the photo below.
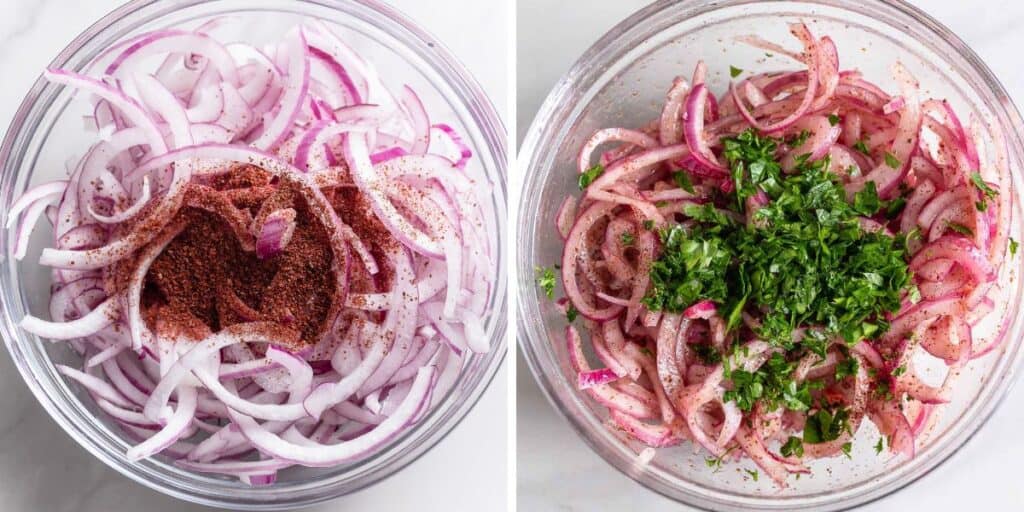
761 271
298 143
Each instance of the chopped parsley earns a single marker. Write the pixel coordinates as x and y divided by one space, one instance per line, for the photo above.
960 228
1013 247
571 313
735 71
862 147
880 445
627 238
986 191
824 426
799 139
793 446
587 177
707 353
892 161
546 281
648 224
806 264
894 207
716 462
846 449
846 368
753 473
883 391
682 179
899 370
833 119
772 384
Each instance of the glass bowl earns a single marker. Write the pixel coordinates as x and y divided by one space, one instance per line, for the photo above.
47 129
621 81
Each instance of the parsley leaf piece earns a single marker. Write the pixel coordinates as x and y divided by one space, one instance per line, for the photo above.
866 201
627 238
588 176
960 228
546 281
892 161
846 449
793 446
824 426
571 313
753 473
648 224
846 368
880 445
862 147
899 370
799 139
682 179
987 191
735 71
833 119
1013 247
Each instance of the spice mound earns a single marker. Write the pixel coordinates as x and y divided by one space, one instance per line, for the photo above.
207 279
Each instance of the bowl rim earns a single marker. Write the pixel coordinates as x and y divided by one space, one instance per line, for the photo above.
465 89
608 48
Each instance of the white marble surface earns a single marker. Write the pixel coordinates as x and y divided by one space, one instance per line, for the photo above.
557 471
44 470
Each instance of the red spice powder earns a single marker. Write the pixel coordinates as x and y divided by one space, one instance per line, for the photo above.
204 279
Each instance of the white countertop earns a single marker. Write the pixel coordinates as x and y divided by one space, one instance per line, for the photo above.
557 471
44 470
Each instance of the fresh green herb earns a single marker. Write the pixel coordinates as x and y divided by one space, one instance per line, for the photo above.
799 139
661 204
588 176
716 462
880 445
899 370
627 238
846 449
960 228
773 384
824 426
882 391
806 263
894 207
682 179
892 161
866 201
769 55
987 191
793 446
1013 247
753 473
571 313
707 353
833 119
735 71
546 281
862 147
846 368
648 224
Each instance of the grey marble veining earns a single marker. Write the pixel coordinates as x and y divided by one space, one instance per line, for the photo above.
44 470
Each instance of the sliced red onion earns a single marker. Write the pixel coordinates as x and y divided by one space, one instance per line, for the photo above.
275 233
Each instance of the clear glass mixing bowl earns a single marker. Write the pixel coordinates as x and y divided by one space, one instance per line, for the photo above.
621 81
47 130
